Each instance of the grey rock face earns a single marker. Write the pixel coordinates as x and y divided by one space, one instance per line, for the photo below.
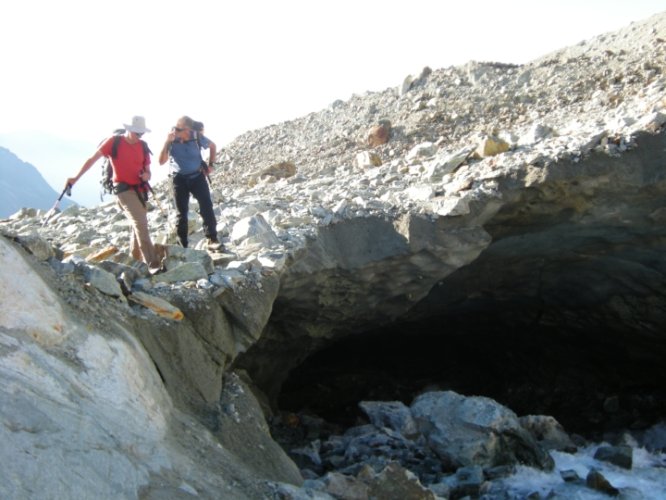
475 431
36 245
548 432
83 410
556 224
189 271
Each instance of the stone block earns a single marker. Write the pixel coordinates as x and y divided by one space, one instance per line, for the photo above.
491 146
379 134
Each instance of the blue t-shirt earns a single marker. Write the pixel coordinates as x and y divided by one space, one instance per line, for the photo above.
186 156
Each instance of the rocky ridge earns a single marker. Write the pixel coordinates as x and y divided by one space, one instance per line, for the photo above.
328 229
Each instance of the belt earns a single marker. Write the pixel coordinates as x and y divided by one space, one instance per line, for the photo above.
188 176
140 189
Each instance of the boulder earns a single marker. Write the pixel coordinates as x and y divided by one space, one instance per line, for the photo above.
597 481
345 487
392 414
466 431
445 163
548 432
366 159
491 146
281 170
103 281
536 133
395 482
379 134
175 256
421 150
188 271
37 246
254 230
622 456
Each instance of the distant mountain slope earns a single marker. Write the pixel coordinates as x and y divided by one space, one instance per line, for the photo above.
21 185
56 159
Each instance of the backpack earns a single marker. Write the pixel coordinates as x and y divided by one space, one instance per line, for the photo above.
197 127
197 132
107 170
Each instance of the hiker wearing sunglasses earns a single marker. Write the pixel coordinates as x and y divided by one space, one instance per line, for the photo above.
130 160
189 176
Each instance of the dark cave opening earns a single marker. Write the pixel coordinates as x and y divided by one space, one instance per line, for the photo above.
554 318
592 381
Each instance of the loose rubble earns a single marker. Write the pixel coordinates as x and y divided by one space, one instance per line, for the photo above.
346 463
445 146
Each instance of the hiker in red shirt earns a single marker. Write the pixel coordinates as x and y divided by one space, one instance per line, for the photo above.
130 160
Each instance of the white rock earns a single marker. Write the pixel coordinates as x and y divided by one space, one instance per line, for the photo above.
445 163
237 265
204 284
652 121
359 201
275 261
368 159
536 133
420 193
452 206
297 220
28 303
421 150
228 277
340 206
254 230
621 122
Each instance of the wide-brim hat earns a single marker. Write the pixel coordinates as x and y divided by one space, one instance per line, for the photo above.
138 125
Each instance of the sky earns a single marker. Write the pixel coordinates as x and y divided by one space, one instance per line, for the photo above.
78 69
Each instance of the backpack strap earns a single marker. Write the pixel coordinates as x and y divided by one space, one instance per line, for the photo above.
114 146
144 145
146 151
197 137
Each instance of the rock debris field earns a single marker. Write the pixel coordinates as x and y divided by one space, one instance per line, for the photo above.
436 170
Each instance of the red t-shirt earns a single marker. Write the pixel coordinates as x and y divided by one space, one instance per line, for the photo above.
129 160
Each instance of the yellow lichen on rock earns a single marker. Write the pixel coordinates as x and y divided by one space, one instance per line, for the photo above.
491 146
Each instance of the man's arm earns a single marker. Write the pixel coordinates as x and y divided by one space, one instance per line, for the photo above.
212 153
86 166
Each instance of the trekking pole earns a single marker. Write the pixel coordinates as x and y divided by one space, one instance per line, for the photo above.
56 205
157 201
206 171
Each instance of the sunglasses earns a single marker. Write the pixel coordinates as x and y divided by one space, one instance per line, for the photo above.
176 129
138 134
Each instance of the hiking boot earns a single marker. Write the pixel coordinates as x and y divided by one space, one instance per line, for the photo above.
156 270
213 244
